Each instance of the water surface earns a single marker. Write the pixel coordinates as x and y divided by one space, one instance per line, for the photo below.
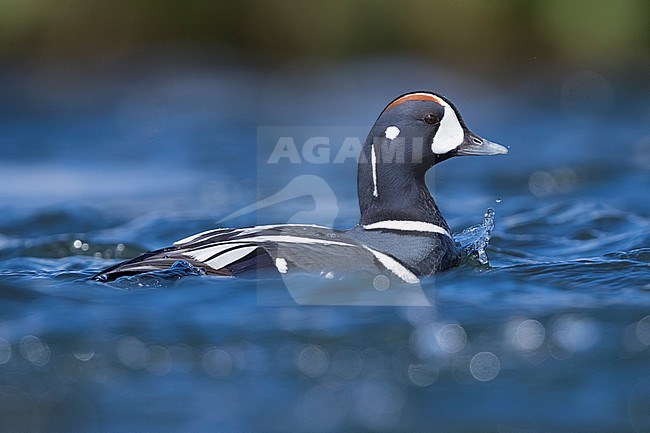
552 335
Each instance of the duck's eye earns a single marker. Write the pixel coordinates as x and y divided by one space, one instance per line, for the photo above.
430 118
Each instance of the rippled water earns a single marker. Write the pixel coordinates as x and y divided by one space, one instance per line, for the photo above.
551 335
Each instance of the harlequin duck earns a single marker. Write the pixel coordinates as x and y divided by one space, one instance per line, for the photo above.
401 232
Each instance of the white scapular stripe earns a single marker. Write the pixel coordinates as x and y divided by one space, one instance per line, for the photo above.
255 229
394 266
392 132
412 226
281 264
292 240
244 231
373 157
450 133
198 235
229 257
204 254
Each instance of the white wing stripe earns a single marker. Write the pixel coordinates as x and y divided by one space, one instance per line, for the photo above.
394 266
414 226
292 240
244 231
204 254
198 235
229 257
256 229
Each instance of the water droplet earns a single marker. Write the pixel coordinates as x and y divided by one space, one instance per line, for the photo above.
381 282
488 224
475 238
35 350
452 338
313 361
484 366
422 374
5 351
541 183
131 352
643 330
84 352
158 361
530 334
217 362
498 200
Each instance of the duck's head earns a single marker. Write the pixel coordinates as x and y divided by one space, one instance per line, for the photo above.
412 134
430 128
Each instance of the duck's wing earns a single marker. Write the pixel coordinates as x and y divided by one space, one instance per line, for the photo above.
286 248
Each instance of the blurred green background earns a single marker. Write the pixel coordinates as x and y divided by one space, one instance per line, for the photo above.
502 35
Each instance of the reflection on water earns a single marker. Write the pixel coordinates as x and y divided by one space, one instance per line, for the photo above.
553 334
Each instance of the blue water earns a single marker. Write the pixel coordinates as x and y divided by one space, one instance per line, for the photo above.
101 164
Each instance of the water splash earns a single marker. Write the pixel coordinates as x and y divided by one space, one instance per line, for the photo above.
160 278
475 239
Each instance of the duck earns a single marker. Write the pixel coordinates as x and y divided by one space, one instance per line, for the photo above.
401 233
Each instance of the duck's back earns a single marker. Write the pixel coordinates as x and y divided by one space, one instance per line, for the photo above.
287 248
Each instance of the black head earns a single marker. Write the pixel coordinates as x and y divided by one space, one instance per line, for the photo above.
412 134
430 128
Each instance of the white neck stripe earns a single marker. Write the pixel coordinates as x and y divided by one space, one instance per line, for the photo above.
373 156
413 226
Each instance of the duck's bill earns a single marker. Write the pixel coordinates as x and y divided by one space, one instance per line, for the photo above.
475 145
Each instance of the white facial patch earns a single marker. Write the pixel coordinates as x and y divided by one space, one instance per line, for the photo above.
450 134
392 132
